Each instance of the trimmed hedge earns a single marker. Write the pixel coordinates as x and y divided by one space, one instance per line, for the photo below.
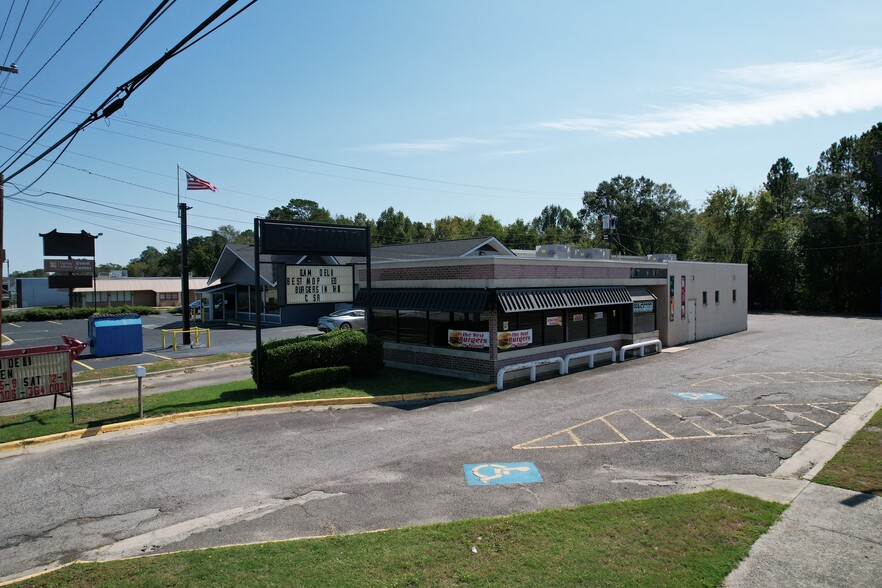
279 359
319 378
60 314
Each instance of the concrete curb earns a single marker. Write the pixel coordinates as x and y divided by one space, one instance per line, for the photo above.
247 408
811 457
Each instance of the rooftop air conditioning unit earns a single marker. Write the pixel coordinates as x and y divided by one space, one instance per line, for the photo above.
559 251
661 257
591 253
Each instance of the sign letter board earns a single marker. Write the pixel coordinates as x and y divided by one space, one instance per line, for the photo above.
310 284
281 237
64 244
37 372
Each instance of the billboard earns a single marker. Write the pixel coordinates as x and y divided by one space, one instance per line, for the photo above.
68 281
65 244
281 237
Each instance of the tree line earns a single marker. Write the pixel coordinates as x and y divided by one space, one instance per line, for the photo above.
812 241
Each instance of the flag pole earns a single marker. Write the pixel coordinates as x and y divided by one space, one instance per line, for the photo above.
185 269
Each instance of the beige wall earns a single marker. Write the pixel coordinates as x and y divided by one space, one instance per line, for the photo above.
712 319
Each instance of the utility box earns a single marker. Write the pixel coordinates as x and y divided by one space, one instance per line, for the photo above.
115 334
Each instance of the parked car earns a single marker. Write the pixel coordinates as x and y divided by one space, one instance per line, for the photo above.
351 318
195 305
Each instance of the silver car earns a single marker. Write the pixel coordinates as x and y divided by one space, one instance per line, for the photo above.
352 318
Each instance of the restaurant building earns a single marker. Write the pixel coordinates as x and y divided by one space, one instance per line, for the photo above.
470 307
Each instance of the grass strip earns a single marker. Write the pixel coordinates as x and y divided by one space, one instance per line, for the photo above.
858 465
682 541
390 382
156 366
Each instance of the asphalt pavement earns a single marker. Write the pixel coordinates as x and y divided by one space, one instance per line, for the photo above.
754 412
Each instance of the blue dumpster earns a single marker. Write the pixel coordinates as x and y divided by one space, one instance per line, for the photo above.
115 334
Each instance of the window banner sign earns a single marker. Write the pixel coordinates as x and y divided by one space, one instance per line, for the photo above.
514 339
468 339
671 296
683 298
643 306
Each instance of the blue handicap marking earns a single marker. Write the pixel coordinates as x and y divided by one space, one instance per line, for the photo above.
486 474
698 396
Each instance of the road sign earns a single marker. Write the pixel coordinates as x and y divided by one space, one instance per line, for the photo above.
488 474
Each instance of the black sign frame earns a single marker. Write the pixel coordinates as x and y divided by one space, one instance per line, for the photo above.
282 237
57 244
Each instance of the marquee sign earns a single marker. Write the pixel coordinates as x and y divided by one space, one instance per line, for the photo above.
69 265
313 284
39 371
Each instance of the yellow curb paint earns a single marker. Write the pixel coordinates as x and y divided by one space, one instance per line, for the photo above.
81 364
182 416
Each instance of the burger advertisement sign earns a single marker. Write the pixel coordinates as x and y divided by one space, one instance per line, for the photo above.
468 339
514 339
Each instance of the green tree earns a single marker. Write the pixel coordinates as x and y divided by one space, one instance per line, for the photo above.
454 227
393 228
520 235
489 226
556 224
652 218
300 209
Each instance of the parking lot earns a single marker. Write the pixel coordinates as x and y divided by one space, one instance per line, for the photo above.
225 338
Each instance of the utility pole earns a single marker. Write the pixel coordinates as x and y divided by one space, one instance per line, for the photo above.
185 273
2 255
9 69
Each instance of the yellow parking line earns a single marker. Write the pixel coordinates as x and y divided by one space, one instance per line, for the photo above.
55 323
14 325
156 355
639 416
610 425
81 364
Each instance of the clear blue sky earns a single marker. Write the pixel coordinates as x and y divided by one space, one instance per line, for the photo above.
498 107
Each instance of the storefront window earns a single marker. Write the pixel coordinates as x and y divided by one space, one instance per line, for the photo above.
242 299
412 327
644 317
439 323
577 324
554 327
532 321
271 301
384 325
598 320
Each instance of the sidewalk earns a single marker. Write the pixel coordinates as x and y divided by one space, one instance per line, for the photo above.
828 536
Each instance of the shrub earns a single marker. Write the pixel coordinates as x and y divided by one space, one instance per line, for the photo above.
61 313
319 378
279 359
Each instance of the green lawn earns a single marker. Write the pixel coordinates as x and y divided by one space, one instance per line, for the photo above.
858 465
679 541
390 382
156 366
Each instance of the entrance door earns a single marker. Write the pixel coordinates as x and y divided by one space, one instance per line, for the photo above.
691 320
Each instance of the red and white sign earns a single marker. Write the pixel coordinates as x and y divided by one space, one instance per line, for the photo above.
514 339
38 371
468 339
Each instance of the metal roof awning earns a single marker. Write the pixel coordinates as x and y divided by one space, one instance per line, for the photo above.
443 300
641 295
553 298
216 288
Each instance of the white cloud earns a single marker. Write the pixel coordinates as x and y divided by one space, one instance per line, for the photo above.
756 95
430 145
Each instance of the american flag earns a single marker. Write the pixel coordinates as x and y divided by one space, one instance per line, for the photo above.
194 183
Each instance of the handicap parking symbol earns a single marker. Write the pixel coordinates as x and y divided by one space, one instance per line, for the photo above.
487 474
698 396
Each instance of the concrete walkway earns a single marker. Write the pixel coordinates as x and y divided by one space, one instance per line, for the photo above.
828 536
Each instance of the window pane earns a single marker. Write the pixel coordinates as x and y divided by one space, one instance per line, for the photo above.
554 327
597 321
577 324
384 325
532 321
412 327
439 323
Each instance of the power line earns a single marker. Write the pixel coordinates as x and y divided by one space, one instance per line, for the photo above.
51 57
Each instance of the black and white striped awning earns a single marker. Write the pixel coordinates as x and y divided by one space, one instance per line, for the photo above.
553 298
441 300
